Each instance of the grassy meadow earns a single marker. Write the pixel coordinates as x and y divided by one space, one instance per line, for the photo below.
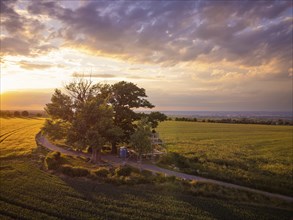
29 191
260 156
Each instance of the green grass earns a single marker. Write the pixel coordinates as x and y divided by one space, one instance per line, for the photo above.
260 156
28 191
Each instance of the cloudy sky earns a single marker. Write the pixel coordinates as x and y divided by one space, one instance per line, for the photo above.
188 55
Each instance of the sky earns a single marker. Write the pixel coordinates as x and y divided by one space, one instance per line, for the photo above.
188 55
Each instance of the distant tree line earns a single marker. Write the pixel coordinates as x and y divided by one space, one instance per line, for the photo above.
8 114
238 121
251 121
185 119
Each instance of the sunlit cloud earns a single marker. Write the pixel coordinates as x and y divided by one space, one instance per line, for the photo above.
33 66
187 55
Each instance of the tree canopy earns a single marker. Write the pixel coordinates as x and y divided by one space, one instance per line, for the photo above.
24 113
88 115
81 117
124 97
140 139
154 118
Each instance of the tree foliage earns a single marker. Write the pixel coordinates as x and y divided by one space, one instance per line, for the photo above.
24 114
16 114
124 97
140 139
154 118
89 115
61 106
81 116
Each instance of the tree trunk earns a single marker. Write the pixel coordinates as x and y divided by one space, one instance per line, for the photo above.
140 161
96 155
114 148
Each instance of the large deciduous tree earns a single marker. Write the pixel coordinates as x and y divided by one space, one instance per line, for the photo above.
124 98
82 117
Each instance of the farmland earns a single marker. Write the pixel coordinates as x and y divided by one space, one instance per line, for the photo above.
28 191
17 136
259 156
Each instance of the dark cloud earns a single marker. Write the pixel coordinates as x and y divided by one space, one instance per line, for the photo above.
164 32
249 45
14 46
21 35
9 18
168 32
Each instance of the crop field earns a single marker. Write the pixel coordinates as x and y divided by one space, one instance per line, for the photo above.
27 191
18 136
259 156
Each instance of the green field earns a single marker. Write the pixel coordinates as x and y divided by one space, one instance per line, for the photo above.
28 191
260 156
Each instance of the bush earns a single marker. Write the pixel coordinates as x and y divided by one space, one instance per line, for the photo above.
56 155
146 173
170 178
176 159
115 180
51 163
136 178
53 160
74 171
124 170
102 172
160 178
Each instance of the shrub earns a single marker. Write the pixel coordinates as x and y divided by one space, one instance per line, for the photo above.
136 178
176 159
53 160
74 171
160 178
124 170
56 155
115 180
171 178
146 173
51 163
102 172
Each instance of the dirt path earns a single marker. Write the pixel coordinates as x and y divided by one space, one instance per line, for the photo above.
114 160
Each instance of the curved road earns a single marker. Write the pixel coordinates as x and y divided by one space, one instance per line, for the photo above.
41 140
